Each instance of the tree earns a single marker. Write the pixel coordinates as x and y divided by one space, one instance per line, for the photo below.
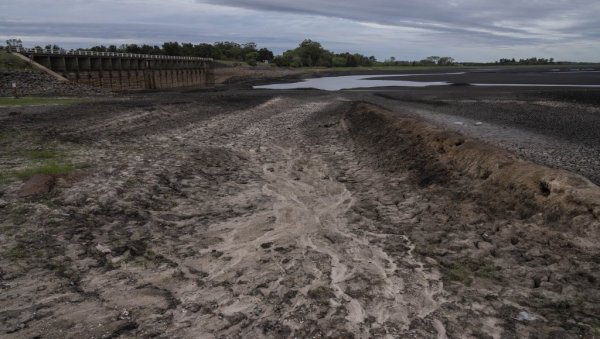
172 48
312 53
265 55
433 60
14 43
251 58
230 50
445 61
54 47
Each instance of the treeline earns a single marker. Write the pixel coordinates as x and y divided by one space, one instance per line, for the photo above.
309 53
530 61
429 61
227 50
312 54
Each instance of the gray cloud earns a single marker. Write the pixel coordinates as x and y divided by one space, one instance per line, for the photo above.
474 30
539 20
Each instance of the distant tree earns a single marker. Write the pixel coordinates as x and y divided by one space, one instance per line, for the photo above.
100 48
187 49
172 48
265 55
230 50
55 47
14 43
282 61
312 53
206 51
133 48
433 60
249 47
251 58
445 61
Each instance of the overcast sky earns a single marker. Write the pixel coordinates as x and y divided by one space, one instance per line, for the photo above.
468 30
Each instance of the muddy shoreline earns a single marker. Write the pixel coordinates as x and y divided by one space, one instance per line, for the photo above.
283 214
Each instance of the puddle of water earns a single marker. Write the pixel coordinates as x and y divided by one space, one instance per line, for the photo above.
368 81
353 81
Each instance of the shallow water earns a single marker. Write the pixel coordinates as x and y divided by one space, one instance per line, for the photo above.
352 81
337 83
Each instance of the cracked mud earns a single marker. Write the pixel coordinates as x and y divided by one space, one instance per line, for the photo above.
278 216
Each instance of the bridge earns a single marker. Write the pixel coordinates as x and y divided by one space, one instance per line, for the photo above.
121 71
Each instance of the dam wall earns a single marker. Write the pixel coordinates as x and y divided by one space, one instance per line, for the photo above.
123 71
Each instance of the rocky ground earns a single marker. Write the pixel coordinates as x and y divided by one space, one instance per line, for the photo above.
282 215
35 83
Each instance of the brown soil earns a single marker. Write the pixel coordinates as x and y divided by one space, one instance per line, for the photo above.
241 73
37 185
229 215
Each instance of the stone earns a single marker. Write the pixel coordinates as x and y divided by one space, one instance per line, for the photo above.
103 249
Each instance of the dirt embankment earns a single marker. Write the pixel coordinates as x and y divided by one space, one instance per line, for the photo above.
231 215
237 74
564 199
519 237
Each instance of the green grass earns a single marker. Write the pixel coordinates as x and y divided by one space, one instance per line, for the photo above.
488 270
44 154
466 271
461 273
37 101
596 328
48 167
17 252
52 167
9 62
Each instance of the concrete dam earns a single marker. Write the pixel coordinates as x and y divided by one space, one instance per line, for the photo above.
121 71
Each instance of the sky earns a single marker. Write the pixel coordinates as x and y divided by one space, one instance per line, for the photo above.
468 30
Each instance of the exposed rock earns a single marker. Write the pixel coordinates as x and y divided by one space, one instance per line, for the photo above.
38 83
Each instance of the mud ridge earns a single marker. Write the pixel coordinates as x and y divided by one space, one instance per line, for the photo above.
435 155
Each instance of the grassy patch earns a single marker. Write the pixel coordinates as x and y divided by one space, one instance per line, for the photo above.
37 101
10 62
44 154
596 328
466 271
461 273
47 167
17 252
488 270
52 168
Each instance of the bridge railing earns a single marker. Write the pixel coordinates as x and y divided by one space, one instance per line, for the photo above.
52 51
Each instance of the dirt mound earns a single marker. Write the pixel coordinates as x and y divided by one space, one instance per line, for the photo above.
566 200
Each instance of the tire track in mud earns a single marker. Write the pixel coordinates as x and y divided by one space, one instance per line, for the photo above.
263 222
354 285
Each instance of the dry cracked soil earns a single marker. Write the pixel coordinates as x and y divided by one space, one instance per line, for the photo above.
228 215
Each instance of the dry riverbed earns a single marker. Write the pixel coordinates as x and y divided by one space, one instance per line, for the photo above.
227 215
